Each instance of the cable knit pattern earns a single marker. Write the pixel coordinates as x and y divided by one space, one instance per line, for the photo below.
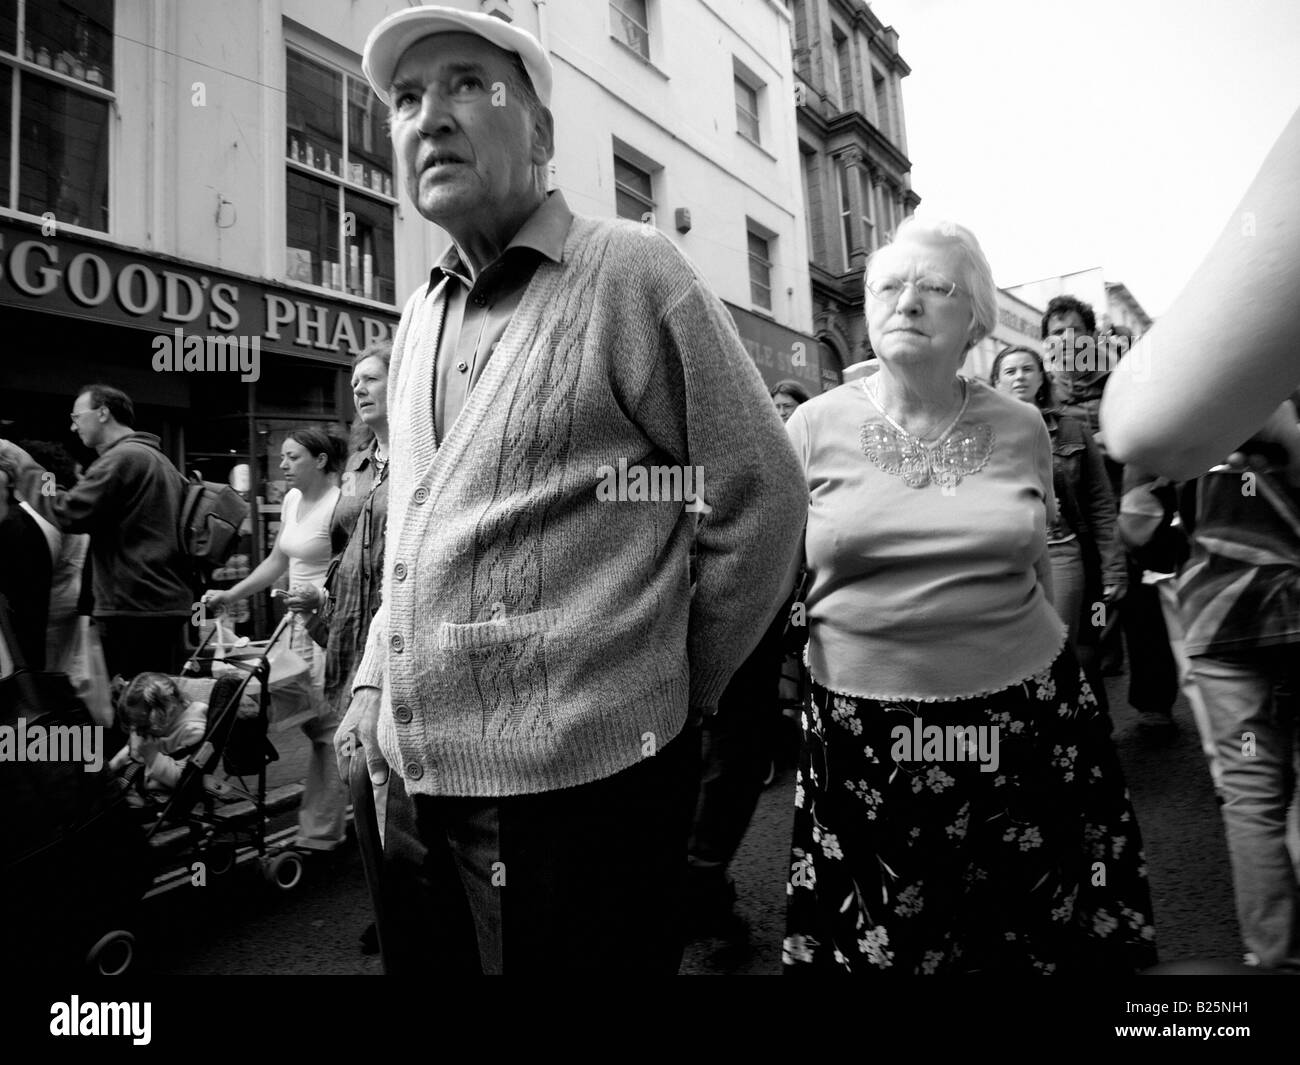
533 637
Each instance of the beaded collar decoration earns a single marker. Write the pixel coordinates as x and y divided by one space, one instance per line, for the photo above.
959 450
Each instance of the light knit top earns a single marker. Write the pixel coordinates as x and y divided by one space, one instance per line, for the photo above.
926 593
305 536
536 634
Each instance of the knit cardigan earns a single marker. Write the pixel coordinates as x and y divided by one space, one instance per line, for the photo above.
535 634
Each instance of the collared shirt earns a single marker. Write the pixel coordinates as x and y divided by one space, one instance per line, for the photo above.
479 310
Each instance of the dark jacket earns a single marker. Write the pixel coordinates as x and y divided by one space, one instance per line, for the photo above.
129 501
1086 501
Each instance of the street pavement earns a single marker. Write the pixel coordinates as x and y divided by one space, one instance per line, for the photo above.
243 925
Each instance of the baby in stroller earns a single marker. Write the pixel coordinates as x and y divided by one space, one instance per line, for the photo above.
164 727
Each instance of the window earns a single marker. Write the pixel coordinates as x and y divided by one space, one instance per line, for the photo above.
882 102
339 183
633 191
760 270
60 67
868 223
631 25
747 110
844 67
843 178
886 215
807 164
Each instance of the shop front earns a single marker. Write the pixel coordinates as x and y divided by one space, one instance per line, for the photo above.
219 365
782 354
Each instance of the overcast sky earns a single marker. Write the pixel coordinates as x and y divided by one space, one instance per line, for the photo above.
1112 133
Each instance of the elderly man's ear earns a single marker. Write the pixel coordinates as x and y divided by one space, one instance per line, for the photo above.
543 137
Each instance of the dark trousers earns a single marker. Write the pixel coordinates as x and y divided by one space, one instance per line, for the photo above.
1152 671
137 645
739 742
585 879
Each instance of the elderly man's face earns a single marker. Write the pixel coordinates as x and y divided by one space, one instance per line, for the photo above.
467 142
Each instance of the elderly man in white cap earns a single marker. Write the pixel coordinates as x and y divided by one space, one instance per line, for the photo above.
571 412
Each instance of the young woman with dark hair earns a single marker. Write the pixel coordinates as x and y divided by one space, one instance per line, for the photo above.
310 459
1083 541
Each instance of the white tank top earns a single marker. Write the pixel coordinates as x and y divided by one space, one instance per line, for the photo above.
306 538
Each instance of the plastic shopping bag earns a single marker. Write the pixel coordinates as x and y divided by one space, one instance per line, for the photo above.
88 673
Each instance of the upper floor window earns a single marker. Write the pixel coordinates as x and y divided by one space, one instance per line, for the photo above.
843 177
760 268
747 110
339 182
748 88
886 216
881 87
631 25
56 66
868 222
844 68
633 191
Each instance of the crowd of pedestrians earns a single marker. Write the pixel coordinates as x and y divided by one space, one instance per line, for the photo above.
554 712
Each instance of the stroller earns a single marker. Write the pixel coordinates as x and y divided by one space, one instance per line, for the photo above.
214 808
83 853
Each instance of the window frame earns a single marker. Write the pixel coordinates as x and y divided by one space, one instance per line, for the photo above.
866 191
15 67
744 76
616 12
642 164
765 262
341 181
844 210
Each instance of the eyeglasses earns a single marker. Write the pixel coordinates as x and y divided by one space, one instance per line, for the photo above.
932 286
74 415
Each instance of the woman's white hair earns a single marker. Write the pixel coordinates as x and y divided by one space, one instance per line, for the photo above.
978 275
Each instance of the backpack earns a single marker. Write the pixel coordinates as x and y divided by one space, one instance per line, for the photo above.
210 517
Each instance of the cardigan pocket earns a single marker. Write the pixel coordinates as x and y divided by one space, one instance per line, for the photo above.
453 636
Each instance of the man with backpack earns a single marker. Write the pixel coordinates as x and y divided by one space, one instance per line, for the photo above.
129 501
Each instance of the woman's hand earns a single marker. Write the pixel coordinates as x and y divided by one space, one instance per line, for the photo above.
304 599
216 599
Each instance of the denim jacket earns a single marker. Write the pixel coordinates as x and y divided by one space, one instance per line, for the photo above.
1087 504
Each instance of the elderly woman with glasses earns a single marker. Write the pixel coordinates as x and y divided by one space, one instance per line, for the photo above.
959 806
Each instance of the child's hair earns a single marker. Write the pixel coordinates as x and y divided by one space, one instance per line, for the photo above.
150 703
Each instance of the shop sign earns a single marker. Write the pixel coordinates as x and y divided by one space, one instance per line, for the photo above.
79 278
780 353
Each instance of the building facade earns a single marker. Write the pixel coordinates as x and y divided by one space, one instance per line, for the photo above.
200 204
853 156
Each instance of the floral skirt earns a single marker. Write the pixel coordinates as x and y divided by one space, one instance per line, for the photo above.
984 835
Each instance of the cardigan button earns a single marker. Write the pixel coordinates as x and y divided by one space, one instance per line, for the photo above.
399 570
414 771
403 714
421 494
397 643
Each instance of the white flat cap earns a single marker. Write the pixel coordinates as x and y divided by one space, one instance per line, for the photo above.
390 39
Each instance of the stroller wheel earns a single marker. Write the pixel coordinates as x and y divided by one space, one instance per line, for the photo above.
220 858
284 871
113 954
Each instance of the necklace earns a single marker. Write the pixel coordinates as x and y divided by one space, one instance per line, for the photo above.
912 437
953 455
